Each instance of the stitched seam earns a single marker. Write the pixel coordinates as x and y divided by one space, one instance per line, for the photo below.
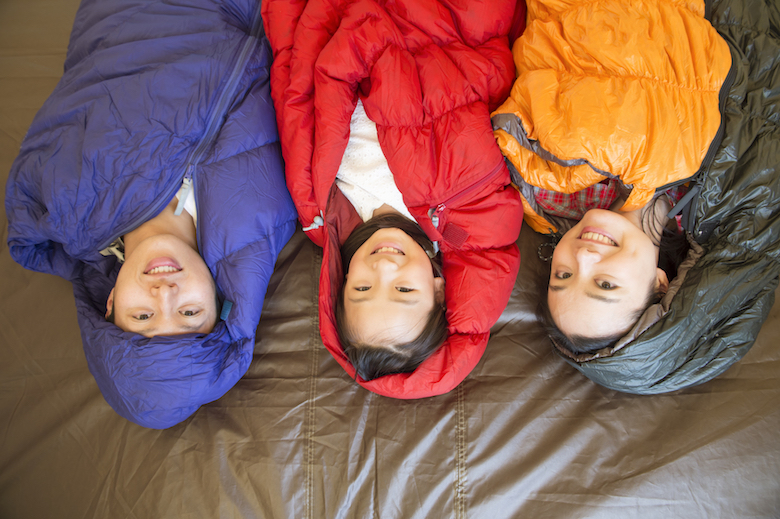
460 455
434 118
310 412
751 251
655 81
588 5
766 119
731 24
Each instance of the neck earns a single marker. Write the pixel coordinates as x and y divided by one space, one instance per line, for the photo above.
181 226
385 209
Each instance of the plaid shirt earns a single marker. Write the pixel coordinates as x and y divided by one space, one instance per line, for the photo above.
575 205
597 196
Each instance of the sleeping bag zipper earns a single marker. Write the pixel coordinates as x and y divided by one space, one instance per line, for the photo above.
688 203
213 126
435 212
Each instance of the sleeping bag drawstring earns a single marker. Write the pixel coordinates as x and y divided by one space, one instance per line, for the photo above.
318 222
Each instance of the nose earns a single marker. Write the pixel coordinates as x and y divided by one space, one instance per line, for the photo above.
385 265
385 262
587 257
164 288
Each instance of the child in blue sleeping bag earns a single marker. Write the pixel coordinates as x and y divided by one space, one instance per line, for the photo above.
163 287
146 109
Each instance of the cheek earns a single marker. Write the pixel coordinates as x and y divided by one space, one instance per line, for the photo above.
641 265
558 256
125 290
356 266
203 288
354 322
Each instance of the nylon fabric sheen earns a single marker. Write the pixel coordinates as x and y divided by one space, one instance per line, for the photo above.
428 75
626 89
711 122
142 102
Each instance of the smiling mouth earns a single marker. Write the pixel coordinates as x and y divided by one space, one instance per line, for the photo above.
598 237
388 250
165 269
162 265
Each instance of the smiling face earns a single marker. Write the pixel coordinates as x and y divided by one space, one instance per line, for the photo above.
390 289
603 271
164 288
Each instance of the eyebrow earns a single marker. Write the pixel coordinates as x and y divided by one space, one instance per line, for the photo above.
602 298
187 329
558 288
406 302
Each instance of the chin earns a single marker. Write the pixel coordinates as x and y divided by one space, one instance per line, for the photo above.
604 215
166 245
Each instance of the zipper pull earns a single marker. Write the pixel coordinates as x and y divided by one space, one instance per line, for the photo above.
434 214
184 192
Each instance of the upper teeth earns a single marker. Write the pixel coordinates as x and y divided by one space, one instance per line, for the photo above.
164 268
597 237
388 249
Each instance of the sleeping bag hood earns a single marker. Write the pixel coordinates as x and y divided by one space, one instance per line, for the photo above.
153 92
428 74
689 94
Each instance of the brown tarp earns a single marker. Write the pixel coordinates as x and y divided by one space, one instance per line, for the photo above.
524 436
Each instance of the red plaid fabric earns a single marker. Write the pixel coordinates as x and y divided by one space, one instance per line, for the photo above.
575 205
676 193
597 196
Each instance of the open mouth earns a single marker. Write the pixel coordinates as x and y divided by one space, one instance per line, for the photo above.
388 250
162 266
162 270
593 235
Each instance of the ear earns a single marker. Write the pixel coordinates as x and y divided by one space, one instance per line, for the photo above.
438 290
661 281
110 303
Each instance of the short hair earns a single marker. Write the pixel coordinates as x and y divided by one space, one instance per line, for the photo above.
374 361
371 361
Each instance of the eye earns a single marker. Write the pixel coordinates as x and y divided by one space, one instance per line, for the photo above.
606 285
190 313
362 289
143 317
562 275
404 289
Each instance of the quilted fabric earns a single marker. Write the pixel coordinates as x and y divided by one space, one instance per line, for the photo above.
428 74
691 98
596 84
142 102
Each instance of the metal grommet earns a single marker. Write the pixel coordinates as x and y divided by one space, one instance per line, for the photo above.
545 250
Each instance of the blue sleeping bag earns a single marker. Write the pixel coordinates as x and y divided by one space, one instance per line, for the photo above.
152 93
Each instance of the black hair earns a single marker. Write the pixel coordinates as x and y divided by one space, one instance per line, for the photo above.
374 361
